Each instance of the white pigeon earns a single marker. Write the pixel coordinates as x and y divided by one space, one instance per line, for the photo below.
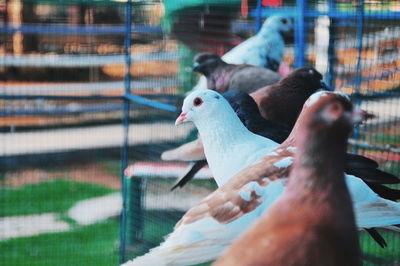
213 224
228 145
264 49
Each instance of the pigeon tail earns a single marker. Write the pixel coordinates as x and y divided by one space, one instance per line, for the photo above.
384 191
380 213
180 256
193 169
187 245
191 151
377 237
151 258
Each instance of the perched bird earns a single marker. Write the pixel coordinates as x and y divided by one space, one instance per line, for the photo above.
312 223
265 49
283 101
218 220
223 77
247 111
300 84
207 109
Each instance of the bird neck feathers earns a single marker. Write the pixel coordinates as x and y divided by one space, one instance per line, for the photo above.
222 128
319 161
268 32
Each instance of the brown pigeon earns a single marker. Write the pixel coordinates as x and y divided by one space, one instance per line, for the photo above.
312 223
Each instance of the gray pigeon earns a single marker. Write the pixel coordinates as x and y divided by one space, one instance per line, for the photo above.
223 77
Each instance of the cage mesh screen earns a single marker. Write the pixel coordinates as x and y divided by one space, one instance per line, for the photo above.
67 133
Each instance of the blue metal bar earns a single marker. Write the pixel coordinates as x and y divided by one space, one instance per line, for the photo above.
62 29
360 29
330 75
125 124
85 97
300 31
336 13
374 96
258 15
148 102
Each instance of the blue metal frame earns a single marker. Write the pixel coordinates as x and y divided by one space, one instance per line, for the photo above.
336 13
258 15
330 75
125 124
360 29
300 12
300 31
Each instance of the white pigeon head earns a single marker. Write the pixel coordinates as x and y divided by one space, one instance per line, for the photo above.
201 104
277 23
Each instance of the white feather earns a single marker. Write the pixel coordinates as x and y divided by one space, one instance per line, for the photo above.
370 209
205 239
228 145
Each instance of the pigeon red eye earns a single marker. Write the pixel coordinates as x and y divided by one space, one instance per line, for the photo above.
197 101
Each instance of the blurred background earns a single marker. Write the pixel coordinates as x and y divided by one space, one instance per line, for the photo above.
89 87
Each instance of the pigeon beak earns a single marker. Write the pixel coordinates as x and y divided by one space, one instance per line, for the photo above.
195 67
325 86
181 119
360 115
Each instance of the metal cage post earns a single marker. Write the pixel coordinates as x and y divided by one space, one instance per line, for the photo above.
129 187
330 77
357 84
258 15
300 38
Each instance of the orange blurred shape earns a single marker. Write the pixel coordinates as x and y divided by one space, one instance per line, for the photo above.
148 69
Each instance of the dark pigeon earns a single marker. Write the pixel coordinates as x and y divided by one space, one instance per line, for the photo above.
282 102
223 77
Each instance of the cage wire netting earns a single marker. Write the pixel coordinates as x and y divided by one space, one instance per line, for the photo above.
72 119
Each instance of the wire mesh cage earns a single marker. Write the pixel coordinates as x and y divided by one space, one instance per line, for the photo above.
90 90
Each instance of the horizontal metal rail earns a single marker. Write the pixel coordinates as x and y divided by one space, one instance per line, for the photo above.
65 29
82 60
336 14
374 95
64 110
368 146
143 100
85 87
148 102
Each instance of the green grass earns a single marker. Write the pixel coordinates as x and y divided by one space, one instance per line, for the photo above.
97 244
90 245
54 196
374 255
